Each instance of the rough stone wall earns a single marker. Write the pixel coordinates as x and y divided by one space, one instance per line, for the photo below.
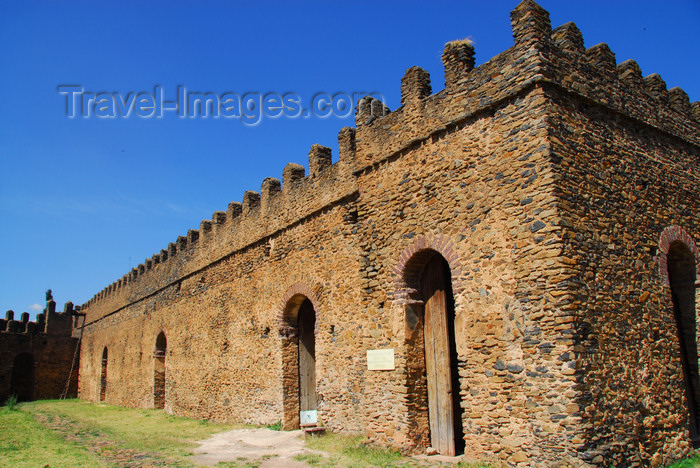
544 177
223 347
51 346
481 195
627 153
625 183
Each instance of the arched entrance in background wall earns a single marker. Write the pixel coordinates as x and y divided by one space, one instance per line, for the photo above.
159 371
426 291
678 256
681 278
103 375
297 327
22 381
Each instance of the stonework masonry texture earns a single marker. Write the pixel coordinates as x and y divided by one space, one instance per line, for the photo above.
555 183
38 359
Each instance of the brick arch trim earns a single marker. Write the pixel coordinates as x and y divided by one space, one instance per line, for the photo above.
413 259
670 235
290 303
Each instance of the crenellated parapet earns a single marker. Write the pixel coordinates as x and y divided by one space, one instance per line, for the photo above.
469 90
259 215
540 56
595 75
49 322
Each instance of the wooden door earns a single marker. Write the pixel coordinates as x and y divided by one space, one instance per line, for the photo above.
307 357
434 288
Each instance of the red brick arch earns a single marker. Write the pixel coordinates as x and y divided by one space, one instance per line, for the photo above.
292 299
670 235
413 259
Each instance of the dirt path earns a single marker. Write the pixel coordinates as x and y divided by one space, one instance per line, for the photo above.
265 448
100 444
262 447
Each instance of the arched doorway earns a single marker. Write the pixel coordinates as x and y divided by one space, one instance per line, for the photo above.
306 322
159 371
681 277
444 409
22 380
299 363
425 290
103 375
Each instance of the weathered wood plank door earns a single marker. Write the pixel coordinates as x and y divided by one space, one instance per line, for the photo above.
437 357
307 357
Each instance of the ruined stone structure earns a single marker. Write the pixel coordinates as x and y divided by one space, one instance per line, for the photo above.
38 359
521 243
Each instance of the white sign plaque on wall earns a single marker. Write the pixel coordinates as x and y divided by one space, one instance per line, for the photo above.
307 418
380 359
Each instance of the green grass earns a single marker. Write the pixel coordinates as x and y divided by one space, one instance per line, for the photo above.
146 430
688 462
26 443
354 452
349 452
162 438
11 402
275 426
243 463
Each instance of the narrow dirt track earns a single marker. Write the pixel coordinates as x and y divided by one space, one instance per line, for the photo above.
268 448
100 444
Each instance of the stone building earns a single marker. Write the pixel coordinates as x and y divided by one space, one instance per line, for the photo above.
505 268
38 359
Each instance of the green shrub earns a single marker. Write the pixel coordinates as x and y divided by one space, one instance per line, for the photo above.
275 426
11 402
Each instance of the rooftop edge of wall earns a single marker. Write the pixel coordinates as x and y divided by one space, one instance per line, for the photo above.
540 54
260 215
48 322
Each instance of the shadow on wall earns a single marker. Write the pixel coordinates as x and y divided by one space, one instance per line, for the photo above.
22 382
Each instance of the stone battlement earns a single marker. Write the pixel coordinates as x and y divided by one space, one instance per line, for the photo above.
37 357
49 322
260 215
540 56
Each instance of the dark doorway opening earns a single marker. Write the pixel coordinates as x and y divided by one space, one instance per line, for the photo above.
159 371
299 397
103 376
681 277
22 381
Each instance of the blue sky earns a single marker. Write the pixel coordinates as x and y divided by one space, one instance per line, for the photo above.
84 200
